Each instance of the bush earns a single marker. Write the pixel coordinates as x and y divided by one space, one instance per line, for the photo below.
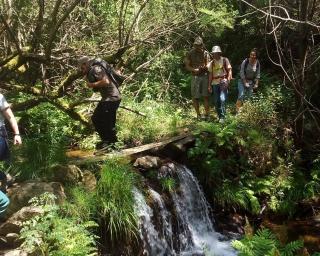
264 243
52 234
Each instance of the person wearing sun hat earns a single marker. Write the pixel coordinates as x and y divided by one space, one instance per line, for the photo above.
220 74
196 62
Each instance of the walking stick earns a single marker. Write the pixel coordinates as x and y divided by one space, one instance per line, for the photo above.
96 100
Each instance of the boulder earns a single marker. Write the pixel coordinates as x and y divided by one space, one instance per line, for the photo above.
147 162
67 174
16 252
89 181
21 193
14 224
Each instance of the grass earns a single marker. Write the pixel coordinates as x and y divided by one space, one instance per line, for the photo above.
115 199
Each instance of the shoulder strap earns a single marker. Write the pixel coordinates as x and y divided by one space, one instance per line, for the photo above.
246 62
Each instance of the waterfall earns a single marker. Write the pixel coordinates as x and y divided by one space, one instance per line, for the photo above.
186 228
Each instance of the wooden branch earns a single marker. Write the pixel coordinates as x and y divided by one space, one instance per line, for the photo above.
28 104
279 17
56 27
5 61
19 88
91 158
145 64
11 34
142 6
121 21
38 29
64 85
74 115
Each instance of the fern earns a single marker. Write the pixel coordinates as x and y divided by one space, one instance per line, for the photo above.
265 243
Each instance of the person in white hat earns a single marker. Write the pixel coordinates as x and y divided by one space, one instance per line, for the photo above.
196 62
220 74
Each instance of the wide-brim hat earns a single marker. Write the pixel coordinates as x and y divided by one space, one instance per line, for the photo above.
216 49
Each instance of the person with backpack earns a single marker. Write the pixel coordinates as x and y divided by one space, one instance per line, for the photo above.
249 78
220 75
6 113
196 62
101 77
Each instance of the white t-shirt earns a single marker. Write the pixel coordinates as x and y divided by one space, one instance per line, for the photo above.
217 69
3 105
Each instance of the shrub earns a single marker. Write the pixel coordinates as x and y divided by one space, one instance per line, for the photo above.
264 243
52 234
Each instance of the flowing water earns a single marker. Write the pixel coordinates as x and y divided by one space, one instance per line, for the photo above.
186 228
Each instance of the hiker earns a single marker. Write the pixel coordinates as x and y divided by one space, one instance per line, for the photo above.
220 74
249 78
104 116
6 113
196 62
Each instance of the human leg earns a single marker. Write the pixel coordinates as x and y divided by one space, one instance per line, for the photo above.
205 93
217 100
98 119
109 129
223 99
195 93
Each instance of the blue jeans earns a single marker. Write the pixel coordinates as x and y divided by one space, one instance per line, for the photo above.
244 92
220 97
4 156
4 202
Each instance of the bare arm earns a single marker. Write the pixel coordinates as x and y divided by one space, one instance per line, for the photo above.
104 82
8 114
188 66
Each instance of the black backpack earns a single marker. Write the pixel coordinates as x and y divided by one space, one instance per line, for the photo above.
116 78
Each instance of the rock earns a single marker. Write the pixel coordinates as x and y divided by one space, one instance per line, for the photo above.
89 181
21 193
16 252
147 162
14 224
69 174
13 240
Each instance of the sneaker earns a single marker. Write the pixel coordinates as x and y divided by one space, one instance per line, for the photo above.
221 120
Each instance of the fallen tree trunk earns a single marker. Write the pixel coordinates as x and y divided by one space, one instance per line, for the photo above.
82 157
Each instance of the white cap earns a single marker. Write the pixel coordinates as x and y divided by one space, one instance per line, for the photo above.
217 49
198 41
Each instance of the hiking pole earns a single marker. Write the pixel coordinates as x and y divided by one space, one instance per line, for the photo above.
96 100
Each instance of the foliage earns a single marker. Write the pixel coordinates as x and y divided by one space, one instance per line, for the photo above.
49 233
47 133
264 243
82 204
168 184
115 200
162 119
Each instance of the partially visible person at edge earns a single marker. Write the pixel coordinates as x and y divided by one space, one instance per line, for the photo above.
6 113
249 78
220 74
196 62
104 116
